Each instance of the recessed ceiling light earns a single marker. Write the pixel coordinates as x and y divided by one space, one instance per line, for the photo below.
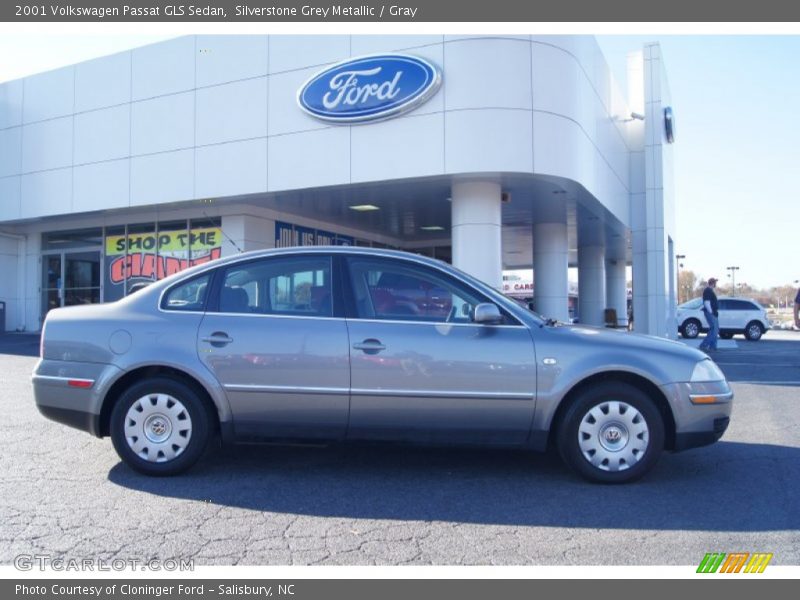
432 228
364 207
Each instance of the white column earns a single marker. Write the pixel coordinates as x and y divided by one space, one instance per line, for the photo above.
247 232
592 284
477 226
616 289
32 282
550 270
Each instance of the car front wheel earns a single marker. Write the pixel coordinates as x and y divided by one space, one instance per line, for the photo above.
611 433
753 331
690 329
160 426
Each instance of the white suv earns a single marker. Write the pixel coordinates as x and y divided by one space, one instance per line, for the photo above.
736 315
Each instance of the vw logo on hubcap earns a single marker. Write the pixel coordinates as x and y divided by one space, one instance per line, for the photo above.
613 437
157 428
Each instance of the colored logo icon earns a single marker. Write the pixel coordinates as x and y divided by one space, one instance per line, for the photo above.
369 88
737 562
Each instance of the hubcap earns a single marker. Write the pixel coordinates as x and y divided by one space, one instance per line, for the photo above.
613 436
158 427
755 332
691 329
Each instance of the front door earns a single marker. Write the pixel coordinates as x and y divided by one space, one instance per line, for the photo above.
273 339
422 370
70 278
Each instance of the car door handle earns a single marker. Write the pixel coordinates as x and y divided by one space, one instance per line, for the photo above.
218 339
369 346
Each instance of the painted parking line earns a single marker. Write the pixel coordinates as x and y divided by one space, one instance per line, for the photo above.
762 382
761 366
721 344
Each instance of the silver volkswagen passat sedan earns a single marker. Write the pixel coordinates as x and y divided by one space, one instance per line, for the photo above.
332 344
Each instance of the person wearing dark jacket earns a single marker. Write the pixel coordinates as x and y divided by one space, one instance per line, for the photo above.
711 313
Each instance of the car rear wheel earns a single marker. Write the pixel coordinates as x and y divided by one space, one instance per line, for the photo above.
690 328
753 331
611 433
160 426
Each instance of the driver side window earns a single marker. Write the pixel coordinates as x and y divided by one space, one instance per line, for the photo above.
399 291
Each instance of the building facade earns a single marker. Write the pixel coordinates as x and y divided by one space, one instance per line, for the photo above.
522 153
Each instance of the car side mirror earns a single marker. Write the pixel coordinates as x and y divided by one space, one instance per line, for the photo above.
486 313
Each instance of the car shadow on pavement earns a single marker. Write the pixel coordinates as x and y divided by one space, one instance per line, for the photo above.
19 344
729 486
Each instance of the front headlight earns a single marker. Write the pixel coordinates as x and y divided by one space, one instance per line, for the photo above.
706 370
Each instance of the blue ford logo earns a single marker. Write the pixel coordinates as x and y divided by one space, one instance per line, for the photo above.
369 88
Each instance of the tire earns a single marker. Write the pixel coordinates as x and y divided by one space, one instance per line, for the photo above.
753 331
690 328
599 424
726 335
177 423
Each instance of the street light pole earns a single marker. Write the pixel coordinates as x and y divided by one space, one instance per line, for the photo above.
732 275
678 258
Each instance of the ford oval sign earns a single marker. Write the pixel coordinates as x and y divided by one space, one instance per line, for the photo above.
369 88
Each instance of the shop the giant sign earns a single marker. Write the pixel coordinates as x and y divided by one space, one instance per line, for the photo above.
151 255
369 88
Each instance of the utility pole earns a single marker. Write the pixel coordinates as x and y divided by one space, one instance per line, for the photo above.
732 275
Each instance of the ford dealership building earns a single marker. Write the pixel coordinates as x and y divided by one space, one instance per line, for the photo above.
491 152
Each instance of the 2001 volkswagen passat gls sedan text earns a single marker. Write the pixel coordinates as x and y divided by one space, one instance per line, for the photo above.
336 344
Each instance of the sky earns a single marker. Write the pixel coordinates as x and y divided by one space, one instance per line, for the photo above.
737 151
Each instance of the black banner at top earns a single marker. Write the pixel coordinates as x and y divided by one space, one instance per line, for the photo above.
320 11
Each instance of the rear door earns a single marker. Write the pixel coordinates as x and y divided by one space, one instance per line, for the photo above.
744 311
275 337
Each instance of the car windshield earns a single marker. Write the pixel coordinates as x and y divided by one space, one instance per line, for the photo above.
525 305
692 304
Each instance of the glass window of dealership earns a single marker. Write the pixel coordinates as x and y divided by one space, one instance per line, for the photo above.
518 159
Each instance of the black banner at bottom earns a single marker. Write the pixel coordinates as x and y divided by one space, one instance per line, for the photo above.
385 589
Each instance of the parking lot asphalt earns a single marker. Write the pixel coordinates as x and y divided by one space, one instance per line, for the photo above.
65 494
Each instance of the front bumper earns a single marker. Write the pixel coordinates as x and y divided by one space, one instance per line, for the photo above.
695 439
701 412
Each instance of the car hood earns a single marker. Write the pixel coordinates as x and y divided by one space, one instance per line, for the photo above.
602 336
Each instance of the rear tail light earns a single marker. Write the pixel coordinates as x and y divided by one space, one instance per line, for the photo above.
80 383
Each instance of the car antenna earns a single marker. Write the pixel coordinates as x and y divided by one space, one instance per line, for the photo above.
227 237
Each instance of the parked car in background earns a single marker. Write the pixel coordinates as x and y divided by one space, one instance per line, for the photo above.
736 316
333 344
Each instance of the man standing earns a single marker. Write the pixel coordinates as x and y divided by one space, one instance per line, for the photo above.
711 313
797 309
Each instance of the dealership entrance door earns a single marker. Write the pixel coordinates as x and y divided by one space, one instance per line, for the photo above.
70 278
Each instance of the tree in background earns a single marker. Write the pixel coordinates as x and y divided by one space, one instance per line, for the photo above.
781 296
689 286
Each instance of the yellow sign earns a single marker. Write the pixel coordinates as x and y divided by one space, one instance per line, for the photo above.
165 241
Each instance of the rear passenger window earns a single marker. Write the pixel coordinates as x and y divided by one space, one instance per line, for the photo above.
190 296
742 305
279 286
